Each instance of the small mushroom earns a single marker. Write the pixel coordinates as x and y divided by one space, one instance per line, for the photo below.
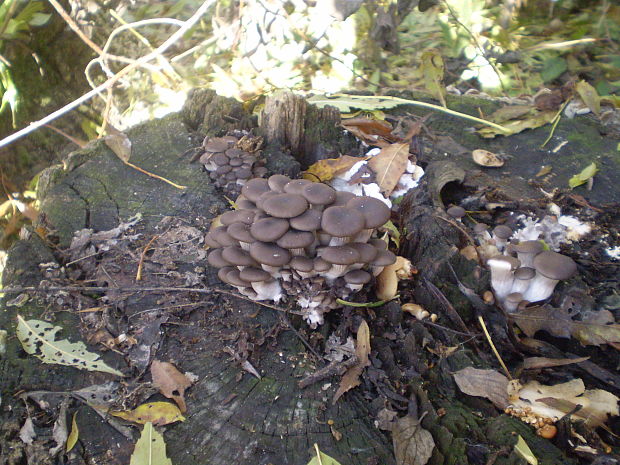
526 251
341 257
270 256
269 229
356 279
237 256
522 278
296 241
551 268
310 220
237 216
222 237
253 189
481 231
342 223
375 214
285 205
382 259
501 234
304 266
512 301
296 186
318 195
456 212
502 274
277 182
241 232
216 259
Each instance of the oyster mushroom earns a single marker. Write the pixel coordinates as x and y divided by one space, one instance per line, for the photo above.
502 274
551 268
342 223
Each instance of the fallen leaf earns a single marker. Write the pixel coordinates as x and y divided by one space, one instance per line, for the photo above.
389 165
371 131
413 445
582 177
59 431
324 170
558 400
73 434
511 112
432 71
158 413
589 96
119 143
535 120
38 338
484 383
351 378
150 448
27 433
595 328
486 158
170 382
524 451
322 459
544 362
346 103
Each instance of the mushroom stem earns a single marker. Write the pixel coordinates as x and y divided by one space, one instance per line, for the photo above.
540 288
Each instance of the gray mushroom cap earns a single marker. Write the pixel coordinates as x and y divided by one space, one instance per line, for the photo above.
296 186
234 152
237 216
240 232
269 254
456 212
340 255
318 193
367 251
502 231
237 256
357 277
210 241
223 272
375 212
254 275
254 188
321 265
277 182
384 258
269 229
285 205
263 197
554 265
528 247
293 239
341 221
379 244
480 228
342 197
234 277
245 204
216 144
216 259
524 273
310 220
222 237
219 159
301 263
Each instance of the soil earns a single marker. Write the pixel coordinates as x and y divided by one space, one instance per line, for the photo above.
237 417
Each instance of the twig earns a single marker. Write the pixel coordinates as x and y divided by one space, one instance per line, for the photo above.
556 120
156 176
60 10
318 453
142 256
334 368
97 90
499 358
417 103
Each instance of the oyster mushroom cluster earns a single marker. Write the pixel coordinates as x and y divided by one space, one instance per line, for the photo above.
300 239
228 165
521 271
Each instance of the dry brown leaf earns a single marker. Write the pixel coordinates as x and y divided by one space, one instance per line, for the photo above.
413 445
595 328
389 165
324 170
170 382
486 158
371 131
119 143
544 362
351 378
484 383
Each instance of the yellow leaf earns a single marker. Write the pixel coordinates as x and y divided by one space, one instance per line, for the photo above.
589 96
432 70
150 448
324 170
523 450
389 165
73 435
362 349
158 413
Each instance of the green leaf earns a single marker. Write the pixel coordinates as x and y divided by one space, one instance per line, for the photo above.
39 19
38 338
150 448
583 177
589 96
346 103
553 68
73 435
324 458
433 72
524 451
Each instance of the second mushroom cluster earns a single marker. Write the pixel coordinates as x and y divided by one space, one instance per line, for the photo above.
301 239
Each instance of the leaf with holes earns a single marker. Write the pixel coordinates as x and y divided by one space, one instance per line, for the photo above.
38 338
158 413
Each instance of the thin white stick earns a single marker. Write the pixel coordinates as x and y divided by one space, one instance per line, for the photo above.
87 96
